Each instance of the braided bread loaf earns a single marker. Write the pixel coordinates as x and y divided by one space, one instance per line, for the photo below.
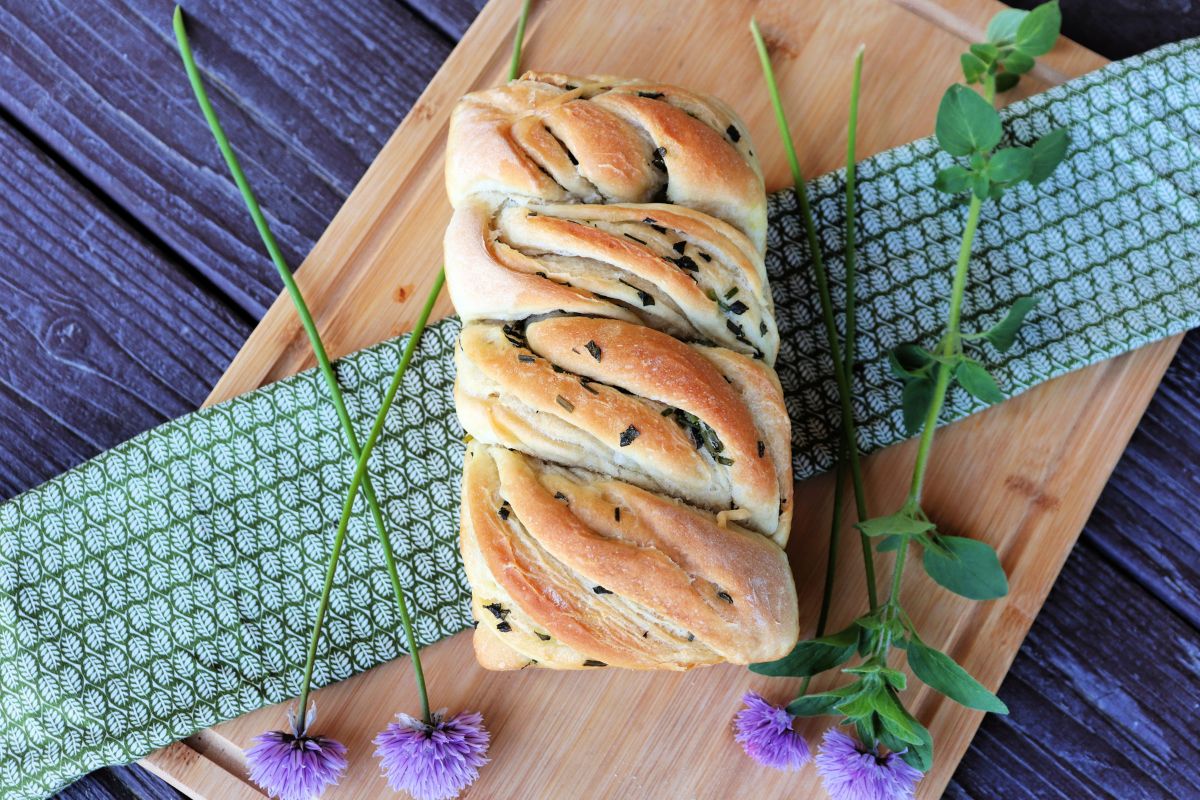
627 489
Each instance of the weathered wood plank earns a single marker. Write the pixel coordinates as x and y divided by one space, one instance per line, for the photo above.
452 17
1119 28
111 337
1146 518
1102 695
120 783
308 93
1135 537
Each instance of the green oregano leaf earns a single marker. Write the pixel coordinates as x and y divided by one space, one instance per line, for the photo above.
934 543
973 68
813 705
864 703
813 656
1017 62
899 524
978 382
967 567
915 400
953 180
889 543
985 52
912 358
981 187
892 677
938 671
1048 153
896 719
895 679
966 123
1006 81
868 730
1003 27
1004 333
918 755
1038 31
822 704
1010 165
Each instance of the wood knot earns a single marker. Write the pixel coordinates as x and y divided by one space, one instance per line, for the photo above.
402 292
1023 486
422 111
780 48
66 336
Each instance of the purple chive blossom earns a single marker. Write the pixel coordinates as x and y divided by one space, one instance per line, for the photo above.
850 772
293 765
766 734
433 762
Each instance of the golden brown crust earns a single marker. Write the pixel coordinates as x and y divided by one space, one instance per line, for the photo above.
672 269
625 400
628 489
599 572
605 141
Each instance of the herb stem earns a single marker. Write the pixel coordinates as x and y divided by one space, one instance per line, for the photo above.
831 559
841 374
362 456
898 574
360 473
989 88
360 476
950 343
314 338
514 66
839 486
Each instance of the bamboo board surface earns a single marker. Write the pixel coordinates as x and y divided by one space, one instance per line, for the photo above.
610 733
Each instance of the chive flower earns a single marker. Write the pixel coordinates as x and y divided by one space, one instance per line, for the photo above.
765 732
850 771
292 765
433 760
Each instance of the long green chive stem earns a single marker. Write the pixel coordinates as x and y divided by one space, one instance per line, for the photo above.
840 371
835 525
360 475
839 485
851 217
514 66
362 456
851 329
839 491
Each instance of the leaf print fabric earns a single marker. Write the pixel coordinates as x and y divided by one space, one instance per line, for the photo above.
170 583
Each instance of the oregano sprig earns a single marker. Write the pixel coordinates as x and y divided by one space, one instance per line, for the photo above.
969 129
1015 39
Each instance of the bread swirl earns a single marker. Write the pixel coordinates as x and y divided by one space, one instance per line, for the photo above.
627 490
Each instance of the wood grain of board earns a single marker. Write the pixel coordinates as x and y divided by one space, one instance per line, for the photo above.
612 733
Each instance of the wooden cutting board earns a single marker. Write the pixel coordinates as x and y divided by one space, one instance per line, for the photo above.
608 733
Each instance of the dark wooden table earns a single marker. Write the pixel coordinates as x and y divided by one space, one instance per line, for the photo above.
130 276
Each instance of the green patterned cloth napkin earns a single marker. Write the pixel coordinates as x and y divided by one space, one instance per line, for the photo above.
170 583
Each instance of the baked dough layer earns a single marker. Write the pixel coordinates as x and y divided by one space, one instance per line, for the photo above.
627 490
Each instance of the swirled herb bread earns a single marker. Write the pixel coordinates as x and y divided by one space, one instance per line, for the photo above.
627 490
